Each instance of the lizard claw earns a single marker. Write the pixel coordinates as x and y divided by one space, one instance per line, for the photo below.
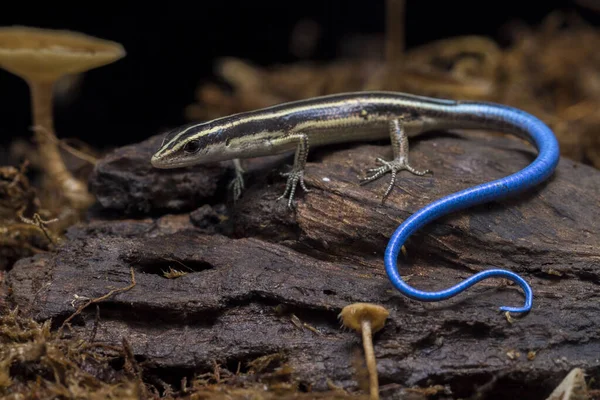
393 167
294 177
237 184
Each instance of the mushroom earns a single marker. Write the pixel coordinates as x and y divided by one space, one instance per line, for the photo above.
41 57
366 319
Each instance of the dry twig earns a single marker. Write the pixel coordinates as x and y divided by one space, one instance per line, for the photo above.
99 299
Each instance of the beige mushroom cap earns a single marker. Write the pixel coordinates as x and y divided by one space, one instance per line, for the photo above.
46 54
353 314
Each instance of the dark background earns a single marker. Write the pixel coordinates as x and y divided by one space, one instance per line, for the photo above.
172 47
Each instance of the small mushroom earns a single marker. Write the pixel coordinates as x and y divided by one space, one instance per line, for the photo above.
366 319
41 57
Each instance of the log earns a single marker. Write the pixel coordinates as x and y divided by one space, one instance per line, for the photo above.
124 182
262 279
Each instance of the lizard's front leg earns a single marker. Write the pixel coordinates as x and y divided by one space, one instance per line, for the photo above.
237 183
400 162
296 175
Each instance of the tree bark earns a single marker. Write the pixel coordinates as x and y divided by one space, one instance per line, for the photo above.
261 279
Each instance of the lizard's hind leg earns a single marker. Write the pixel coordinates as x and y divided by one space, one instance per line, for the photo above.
400 162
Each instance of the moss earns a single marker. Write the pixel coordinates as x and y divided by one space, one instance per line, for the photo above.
38 362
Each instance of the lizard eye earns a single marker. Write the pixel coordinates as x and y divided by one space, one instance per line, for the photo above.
192 146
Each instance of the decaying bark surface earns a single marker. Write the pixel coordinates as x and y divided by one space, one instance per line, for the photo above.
262 279
126 182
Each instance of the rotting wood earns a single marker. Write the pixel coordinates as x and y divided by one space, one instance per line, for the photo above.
237 300
125 182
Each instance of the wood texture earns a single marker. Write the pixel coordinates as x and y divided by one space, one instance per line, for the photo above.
263 279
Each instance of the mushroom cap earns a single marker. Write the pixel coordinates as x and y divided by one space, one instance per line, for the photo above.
352 315
46 54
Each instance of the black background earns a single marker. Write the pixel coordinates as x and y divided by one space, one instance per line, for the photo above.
171 47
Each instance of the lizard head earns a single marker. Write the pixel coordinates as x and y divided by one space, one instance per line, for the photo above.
192 144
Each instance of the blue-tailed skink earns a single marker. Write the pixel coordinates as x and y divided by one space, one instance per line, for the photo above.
364 116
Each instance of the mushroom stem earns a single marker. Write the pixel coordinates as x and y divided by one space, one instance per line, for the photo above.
367 338
42 104
366 318
394 35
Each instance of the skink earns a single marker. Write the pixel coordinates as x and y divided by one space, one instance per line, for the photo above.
362 116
